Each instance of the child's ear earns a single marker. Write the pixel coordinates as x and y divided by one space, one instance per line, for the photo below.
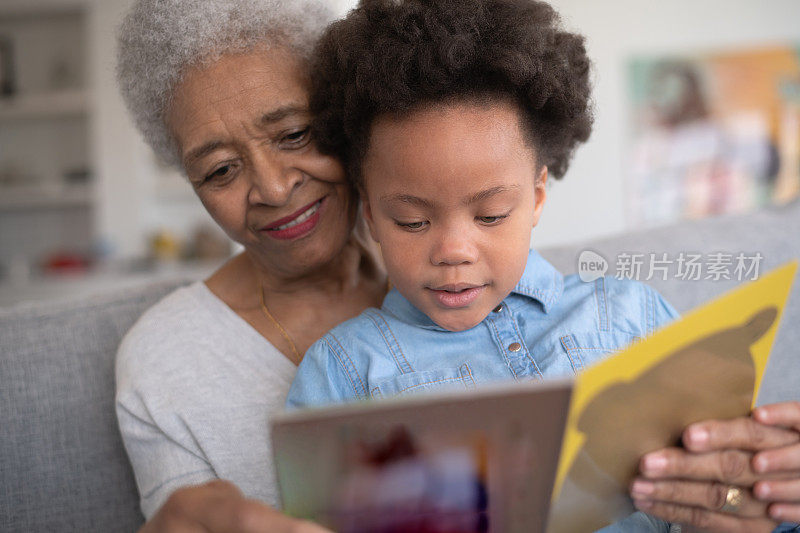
540 190
367 210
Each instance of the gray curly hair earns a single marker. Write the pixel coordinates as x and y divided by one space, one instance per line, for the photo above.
160 39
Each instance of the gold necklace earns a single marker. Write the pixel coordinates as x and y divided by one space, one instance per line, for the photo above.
278 325
283 332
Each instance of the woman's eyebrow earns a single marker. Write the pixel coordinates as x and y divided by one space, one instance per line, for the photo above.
271 117
488 193
201 152
276 115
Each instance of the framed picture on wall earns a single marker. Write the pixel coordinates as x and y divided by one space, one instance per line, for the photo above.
713 133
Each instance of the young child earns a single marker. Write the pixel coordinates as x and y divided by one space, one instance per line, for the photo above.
451 115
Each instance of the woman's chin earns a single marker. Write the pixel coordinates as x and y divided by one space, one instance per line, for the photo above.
302 257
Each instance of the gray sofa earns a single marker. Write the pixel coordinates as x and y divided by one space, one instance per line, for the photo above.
62 463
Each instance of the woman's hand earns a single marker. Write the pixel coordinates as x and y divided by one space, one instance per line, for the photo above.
759 455
219 507
781 462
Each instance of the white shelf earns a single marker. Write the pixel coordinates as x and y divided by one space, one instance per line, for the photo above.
17 198
54 104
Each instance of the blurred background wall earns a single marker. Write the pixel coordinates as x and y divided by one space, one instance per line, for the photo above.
85 206
591 201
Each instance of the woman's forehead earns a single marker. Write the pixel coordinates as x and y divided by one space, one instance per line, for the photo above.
251 91
229 79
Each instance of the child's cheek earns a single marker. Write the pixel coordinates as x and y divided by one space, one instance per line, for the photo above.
399 265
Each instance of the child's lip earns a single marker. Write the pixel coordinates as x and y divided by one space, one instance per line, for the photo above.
455 287
453 298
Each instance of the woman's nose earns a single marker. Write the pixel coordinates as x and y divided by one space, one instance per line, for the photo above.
454 247
273 181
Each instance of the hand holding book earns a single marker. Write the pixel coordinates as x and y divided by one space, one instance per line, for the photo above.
759 453
666 392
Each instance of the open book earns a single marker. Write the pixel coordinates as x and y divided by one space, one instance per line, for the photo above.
525 457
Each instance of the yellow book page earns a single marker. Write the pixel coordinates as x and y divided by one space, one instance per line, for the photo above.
708 364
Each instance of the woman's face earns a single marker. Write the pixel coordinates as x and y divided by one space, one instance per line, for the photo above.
242 127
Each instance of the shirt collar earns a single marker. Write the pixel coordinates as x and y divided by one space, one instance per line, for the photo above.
540 281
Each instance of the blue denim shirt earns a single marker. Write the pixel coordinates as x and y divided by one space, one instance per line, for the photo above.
549 326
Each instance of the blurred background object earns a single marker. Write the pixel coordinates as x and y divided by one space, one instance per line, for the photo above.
6 67
85 206
714 134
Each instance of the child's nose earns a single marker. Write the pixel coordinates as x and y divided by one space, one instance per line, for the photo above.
454 248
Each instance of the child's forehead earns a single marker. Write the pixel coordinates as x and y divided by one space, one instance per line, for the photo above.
443 128
442 143
438 110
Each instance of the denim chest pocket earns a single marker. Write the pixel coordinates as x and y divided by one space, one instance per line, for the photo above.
458 378
584 349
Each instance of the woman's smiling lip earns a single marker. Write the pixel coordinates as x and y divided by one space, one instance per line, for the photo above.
288 228
286 220
454 296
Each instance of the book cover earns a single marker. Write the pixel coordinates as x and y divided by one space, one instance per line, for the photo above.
708 364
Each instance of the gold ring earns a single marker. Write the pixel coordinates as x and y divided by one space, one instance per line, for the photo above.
733 500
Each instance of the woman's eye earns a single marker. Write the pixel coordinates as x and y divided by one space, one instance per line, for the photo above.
411 226
491 221
220 173
296 139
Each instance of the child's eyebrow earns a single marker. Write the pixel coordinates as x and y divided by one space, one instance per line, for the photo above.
488 193
427 204
408 199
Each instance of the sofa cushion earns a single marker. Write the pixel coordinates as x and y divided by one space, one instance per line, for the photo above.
772 232
62 463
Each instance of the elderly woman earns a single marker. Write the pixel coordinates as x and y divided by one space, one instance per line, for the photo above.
220 90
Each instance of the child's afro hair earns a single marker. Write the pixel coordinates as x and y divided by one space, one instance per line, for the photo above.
396 56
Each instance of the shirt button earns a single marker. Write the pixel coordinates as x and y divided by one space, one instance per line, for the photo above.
514 347
498 308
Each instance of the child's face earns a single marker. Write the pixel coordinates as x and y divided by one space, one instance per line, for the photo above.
451 194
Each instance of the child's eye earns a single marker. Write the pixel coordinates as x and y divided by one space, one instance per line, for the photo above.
491 221
411 226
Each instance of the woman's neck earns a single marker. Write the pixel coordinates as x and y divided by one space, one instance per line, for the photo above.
305 306
358 267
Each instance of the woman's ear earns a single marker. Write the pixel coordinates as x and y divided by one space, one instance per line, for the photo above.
367 210
540 190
